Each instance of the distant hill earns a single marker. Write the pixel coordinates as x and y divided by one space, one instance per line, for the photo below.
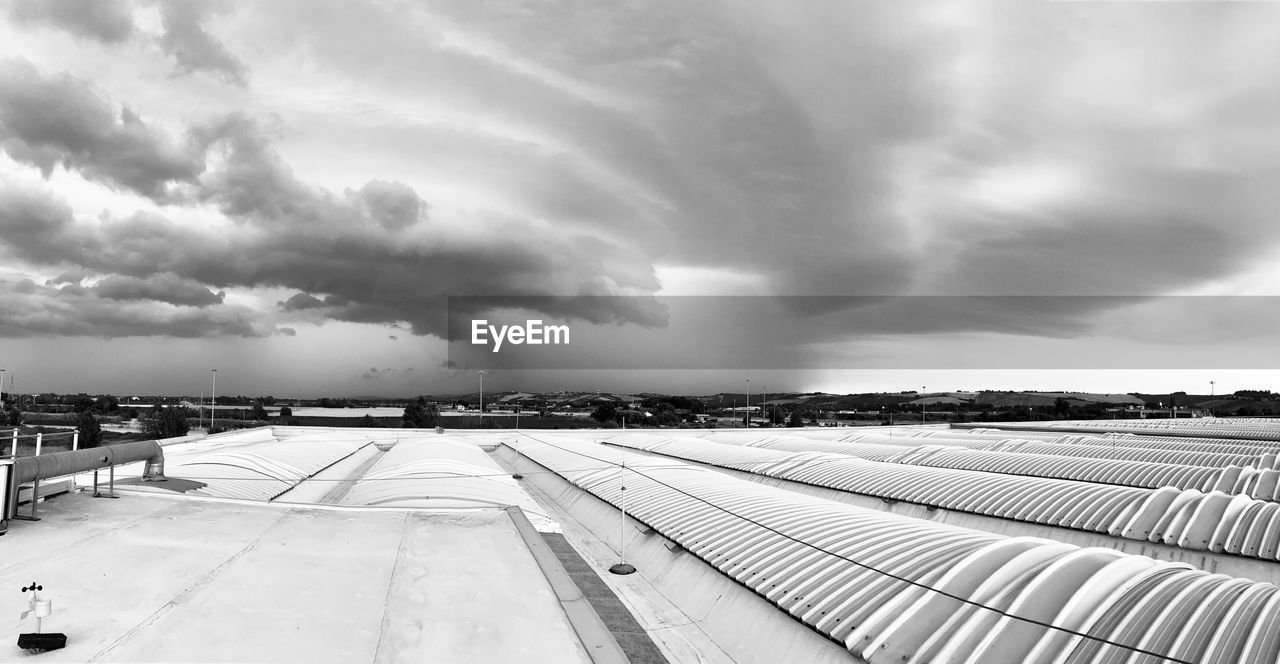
881 400
986 400
1014 399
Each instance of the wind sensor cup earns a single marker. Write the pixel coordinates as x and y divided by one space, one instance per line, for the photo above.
38 642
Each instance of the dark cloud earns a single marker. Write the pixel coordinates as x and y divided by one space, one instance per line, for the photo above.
836 148
393 337
363 256
77 311
192 47
108 21
301 302
253 179
371 267
32 226
163 287
286 331
73 289
70 277
392 204
1088 258
811 319
47 121
183 37
727 165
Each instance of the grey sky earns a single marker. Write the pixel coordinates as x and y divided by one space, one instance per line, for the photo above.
273 186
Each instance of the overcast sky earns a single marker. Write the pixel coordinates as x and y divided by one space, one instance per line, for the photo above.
289 190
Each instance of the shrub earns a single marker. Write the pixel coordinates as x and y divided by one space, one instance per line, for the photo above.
166 423
90 430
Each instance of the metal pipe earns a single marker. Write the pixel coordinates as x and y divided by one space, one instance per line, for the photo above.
35 468
27 469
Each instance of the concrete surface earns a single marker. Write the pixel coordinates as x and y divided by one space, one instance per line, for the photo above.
154 578
637 645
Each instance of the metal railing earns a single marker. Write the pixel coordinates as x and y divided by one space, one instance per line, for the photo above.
14 435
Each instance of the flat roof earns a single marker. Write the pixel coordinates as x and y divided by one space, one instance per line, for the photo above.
322 544
153 577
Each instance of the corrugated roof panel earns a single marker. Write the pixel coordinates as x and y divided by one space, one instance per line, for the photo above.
930 615
1189 518
1194 638
967 437
1080 613
765 538
1070 584
1177 457
1124 614
1263 642
1127 473
1240 529
1228 642
1258 430
1270 541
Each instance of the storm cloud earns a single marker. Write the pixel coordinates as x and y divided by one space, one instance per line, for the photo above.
108 21
192 46
365 255
72 310
164 287
60 120
365 163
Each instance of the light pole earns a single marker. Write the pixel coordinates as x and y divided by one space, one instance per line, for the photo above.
1213 409
748 406
213 400
922 403
2 388
481 398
